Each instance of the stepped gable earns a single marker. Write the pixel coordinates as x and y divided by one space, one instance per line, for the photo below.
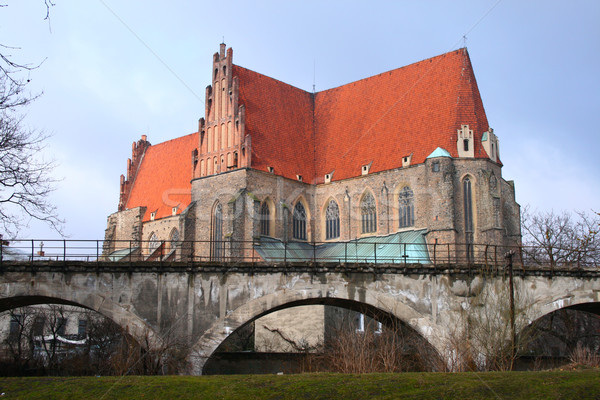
163 180
410 110
279 120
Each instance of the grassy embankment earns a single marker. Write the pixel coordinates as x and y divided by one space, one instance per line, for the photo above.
579 384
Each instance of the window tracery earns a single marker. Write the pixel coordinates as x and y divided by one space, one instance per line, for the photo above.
368 211
332 220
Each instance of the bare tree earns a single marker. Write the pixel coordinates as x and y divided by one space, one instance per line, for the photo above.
9 67
561 239
25 176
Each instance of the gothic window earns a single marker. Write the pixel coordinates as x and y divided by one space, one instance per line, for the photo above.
153 243
217 251
406 208
466 144
468 205
299 222
265 219
496 203
493 182
332 220
468 209
174 237
368 211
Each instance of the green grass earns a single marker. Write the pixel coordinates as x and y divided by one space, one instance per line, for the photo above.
579 384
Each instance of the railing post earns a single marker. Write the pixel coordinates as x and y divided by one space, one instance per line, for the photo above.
375 251
97 251
448 246
345 252
404 256
314 252
434 255
285 252
32 251
64 250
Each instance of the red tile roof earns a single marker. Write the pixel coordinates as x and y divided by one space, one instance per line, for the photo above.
163 178
410 110
378 120
279 119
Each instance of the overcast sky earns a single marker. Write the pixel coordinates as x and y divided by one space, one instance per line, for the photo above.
115 70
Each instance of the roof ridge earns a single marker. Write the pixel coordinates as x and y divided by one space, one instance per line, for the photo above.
270 77
431 59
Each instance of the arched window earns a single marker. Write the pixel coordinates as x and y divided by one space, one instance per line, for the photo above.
493 183
368 211
217 250
299 222
153 243
468 209
265 219
468 205
406 208
332 220
174 238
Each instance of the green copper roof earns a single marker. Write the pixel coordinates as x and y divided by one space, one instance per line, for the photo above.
401 247
439 152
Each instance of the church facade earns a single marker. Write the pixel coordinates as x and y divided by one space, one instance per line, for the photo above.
404 156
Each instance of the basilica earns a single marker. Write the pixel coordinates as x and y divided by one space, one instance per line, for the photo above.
276 173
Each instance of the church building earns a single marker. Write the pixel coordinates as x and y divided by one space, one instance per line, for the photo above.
275 172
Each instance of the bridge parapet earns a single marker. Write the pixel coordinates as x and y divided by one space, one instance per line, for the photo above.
366 252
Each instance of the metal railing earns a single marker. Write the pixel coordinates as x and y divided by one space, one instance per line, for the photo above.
269 252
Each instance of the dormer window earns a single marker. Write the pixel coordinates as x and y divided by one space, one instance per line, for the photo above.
299 177
152 215
464 143
366 168
270 169
174 211
328 177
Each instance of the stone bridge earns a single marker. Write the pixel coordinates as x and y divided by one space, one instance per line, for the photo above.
207 302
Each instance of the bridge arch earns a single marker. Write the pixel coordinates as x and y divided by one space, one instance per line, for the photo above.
18 294
552 295
380 304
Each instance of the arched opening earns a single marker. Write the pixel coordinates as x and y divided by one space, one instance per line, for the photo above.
266 218
217 244
570 335
368 213
332 220
54 336
406 208
321 334
468 218
299 220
